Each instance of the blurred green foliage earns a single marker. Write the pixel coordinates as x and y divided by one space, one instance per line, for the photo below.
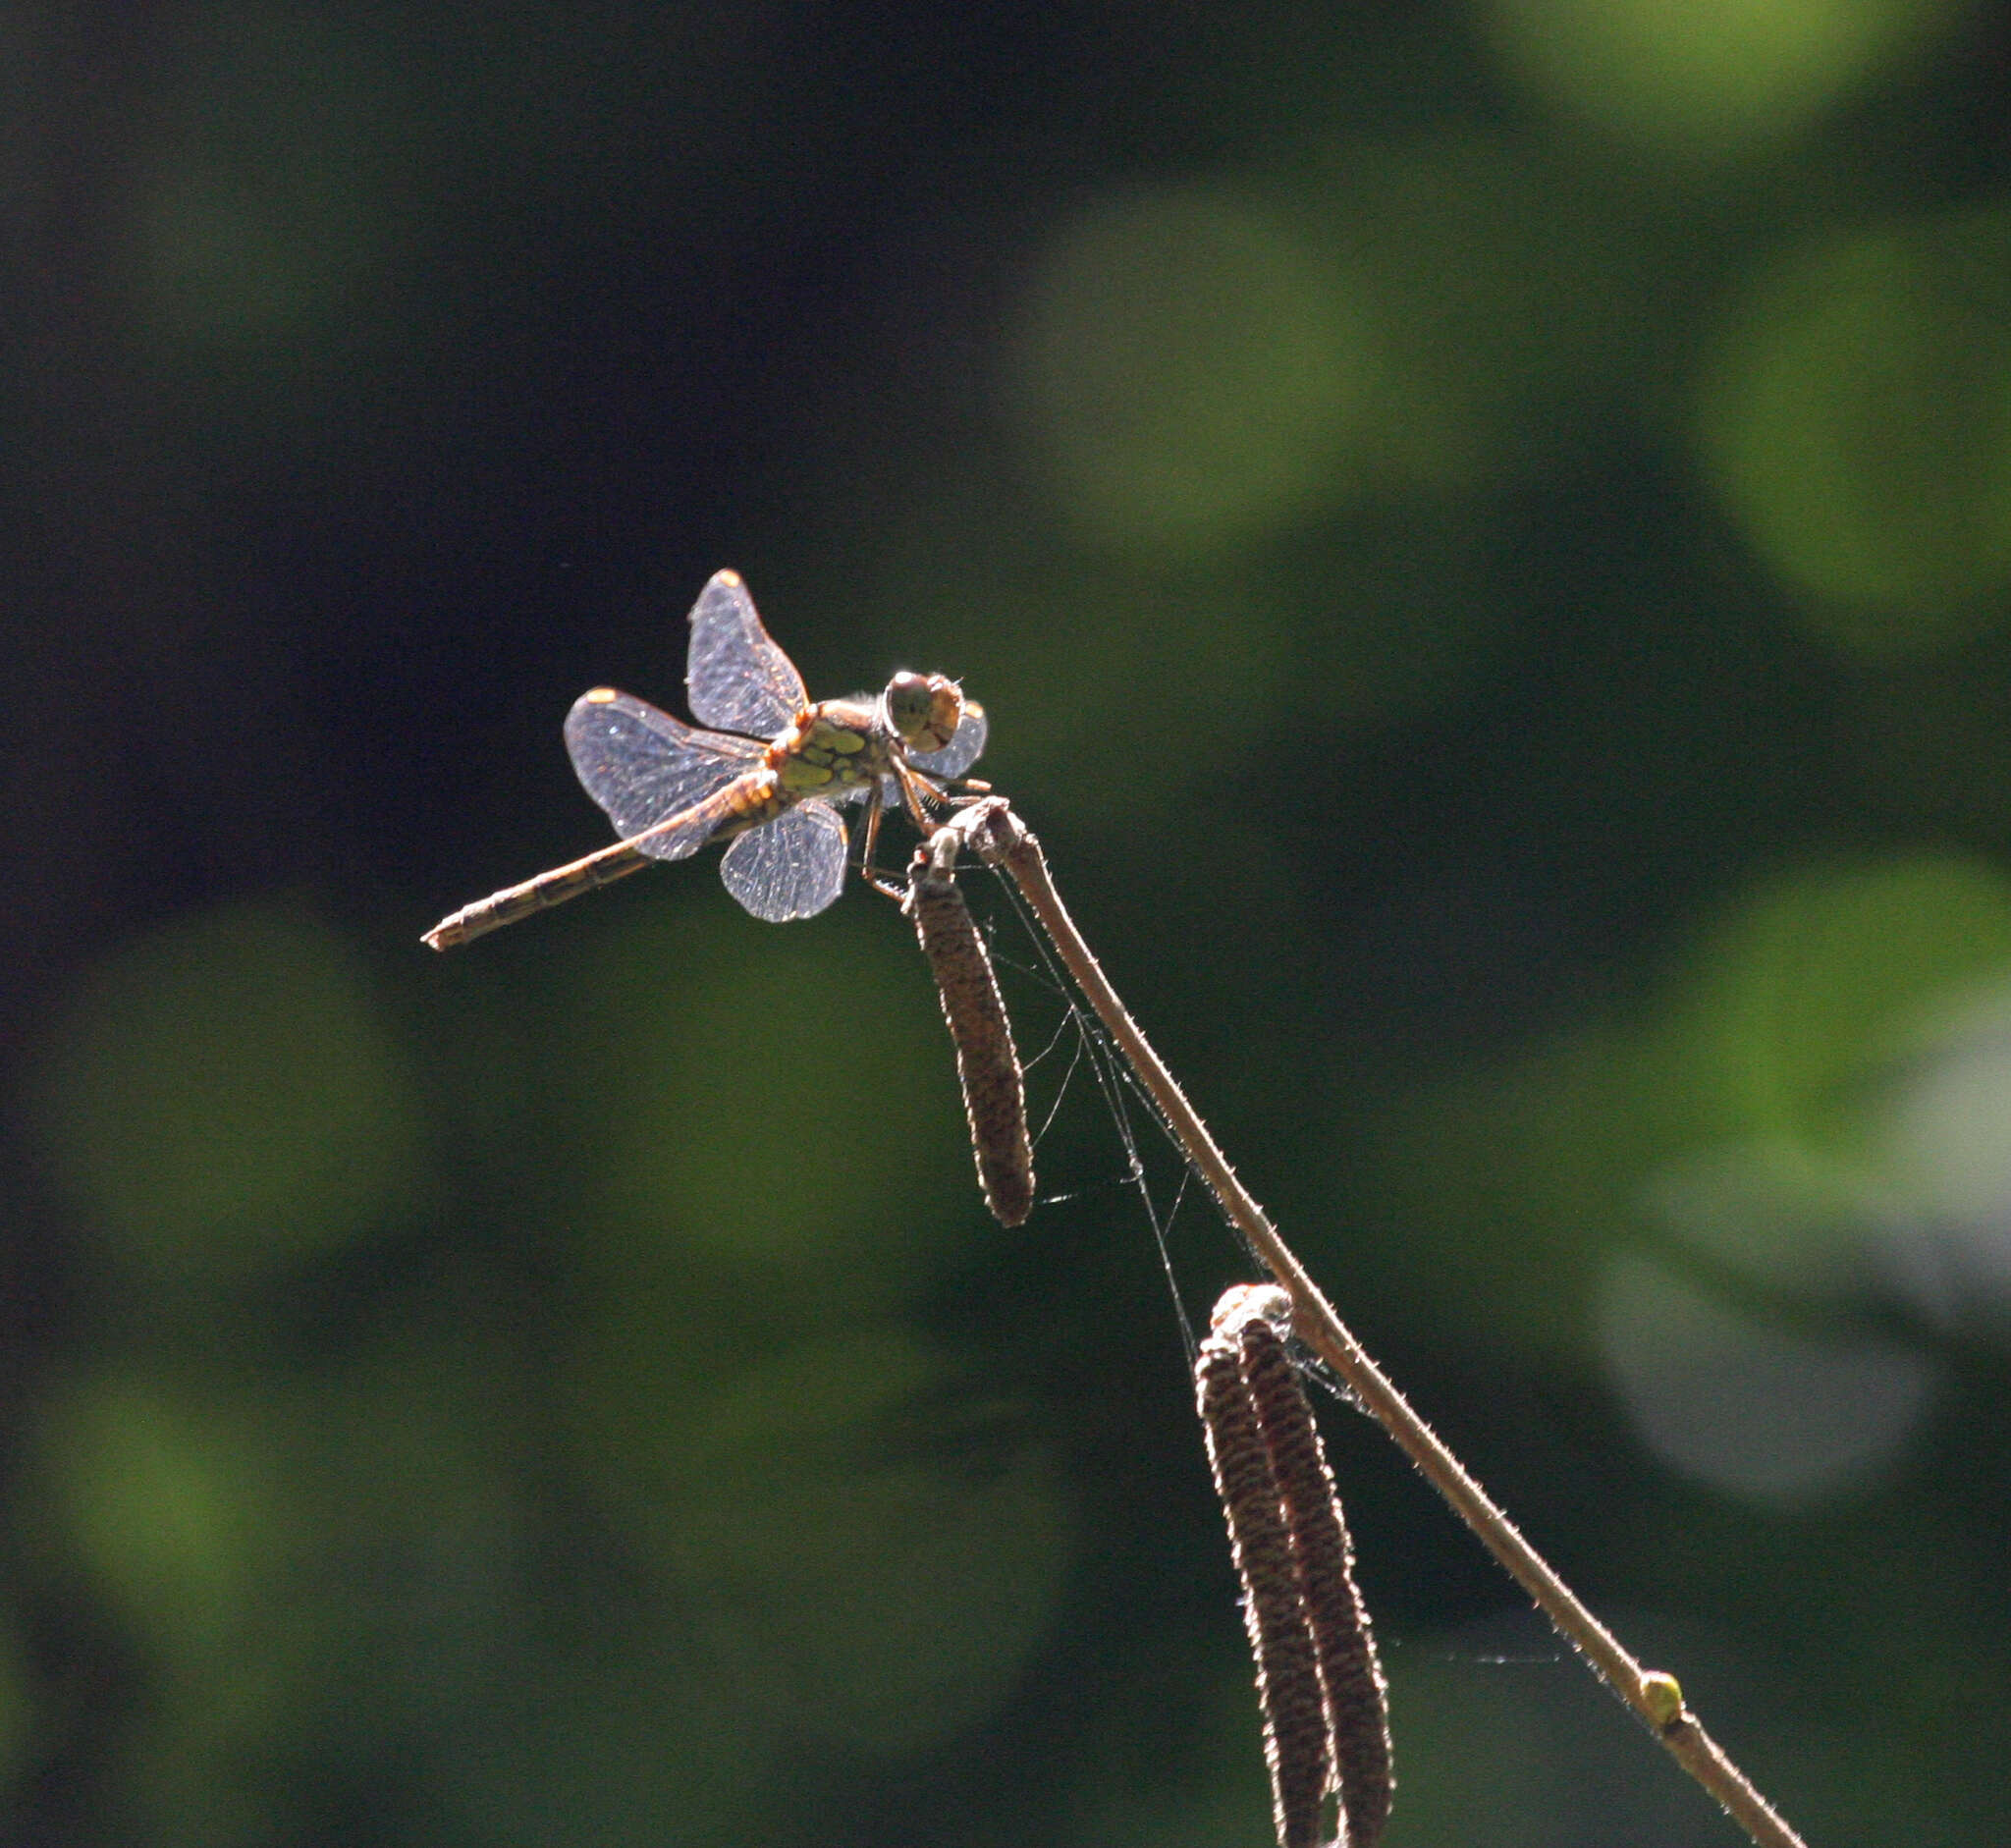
1712 78
226 1100
1192 368
1860 428
1483 535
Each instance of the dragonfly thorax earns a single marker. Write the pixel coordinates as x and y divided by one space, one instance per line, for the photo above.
838 746
924 710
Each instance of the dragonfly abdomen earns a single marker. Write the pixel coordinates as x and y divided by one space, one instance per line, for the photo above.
743 803
536 895
746 803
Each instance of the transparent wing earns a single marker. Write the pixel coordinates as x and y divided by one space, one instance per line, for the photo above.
642 766
737 676
793 866
962 751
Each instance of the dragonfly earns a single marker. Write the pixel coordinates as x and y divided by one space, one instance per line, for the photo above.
770 778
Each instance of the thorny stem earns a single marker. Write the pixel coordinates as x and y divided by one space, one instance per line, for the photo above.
1003 839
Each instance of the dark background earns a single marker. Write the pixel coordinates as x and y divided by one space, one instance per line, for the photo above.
1485 534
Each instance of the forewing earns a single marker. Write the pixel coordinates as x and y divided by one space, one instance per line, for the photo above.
642 766
789 867
737 676
962 751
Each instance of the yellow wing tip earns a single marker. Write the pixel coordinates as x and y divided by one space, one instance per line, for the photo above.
600 697
730 577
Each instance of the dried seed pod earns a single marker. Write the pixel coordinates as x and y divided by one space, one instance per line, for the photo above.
986 1062
1357 1696
1288 1688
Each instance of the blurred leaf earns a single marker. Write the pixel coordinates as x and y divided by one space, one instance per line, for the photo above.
868 1549
1856 420
1745 1405
1710 77
225 1099
1803 994
1187 369
777 1100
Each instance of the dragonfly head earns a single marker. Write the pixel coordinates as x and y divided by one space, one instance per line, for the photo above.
925 709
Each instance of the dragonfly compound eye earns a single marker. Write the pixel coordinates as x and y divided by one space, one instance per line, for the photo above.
925 709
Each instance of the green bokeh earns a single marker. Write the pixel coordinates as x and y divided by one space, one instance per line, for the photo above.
1777 1417
175 1511
334 1557
1503 290
171 1506
770 1100
265 214
1806 993
1856 421
1738 1108
867 1549
226 1099
1707 77
1187 369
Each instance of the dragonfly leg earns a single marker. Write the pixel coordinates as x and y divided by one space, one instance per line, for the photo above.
967 789
917 792
867 870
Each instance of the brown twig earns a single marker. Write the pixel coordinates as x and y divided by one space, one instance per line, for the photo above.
1004 841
